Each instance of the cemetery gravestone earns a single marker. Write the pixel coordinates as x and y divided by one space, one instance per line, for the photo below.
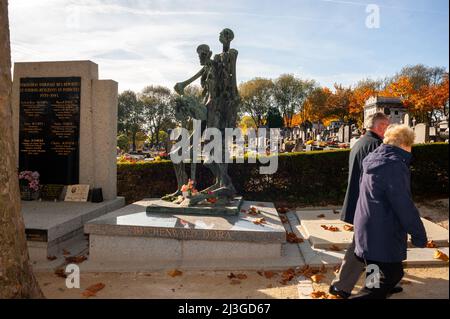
65 123
422 133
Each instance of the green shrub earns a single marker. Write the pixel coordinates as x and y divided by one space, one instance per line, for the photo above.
306 178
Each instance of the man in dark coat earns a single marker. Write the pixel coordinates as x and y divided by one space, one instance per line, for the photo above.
385 212
352 268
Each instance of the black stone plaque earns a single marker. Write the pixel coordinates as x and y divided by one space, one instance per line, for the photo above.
51 191
50 128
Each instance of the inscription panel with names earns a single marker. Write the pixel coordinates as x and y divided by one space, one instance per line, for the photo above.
50 128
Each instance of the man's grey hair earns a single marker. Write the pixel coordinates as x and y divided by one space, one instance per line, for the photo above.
373 120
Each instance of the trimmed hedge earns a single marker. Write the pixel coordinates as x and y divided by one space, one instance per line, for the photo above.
318 177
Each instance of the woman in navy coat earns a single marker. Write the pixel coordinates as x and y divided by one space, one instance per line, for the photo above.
385 212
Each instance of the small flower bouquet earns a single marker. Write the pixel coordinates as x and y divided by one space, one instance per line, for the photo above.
29 185
189 190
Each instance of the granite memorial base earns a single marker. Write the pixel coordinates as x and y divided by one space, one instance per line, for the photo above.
53 226
132 236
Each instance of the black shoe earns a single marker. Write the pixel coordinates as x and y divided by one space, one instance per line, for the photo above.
337 292
396 290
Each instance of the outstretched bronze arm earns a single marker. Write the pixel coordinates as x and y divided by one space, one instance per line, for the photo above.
180 86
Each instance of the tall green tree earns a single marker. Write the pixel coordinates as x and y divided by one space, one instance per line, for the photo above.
290 94
256 99
130 115
158 110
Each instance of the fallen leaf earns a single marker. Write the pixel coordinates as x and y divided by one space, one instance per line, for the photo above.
231 276
51 257
440 255
174 273
75 259
66 252
330 228
321 216
259 221
304 271
318 295
253 211
93 289
428 218
293 238
317 278
284 219
269 274
431 244
335 211
334 248
348 227
287 275
241 276
330 296
60 272
235 282
259 272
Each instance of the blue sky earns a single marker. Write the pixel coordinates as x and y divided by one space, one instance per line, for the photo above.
142 42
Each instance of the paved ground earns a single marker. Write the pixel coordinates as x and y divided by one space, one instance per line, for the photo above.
423 283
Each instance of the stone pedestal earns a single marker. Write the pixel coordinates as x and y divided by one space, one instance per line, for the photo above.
51 226
132 234
97 118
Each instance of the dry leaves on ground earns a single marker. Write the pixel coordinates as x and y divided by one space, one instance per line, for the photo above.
330 228
319 295
174 273
431 244
238 276
334 248
348 227
321 216
253 211
322 295
269 274
75 259
335 211
241 276
66 252
260 221
317 278
293 238
92 290
287 276
440 255
60 272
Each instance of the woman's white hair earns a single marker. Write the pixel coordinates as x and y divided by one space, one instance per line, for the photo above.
399 135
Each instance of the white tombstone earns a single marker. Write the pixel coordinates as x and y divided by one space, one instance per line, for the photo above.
422 133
